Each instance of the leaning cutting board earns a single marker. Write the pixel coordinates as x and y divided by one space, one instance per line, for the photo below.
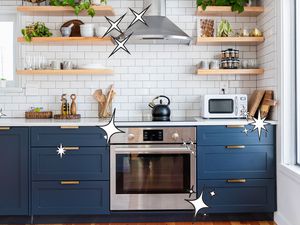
255 101
266 104
75 29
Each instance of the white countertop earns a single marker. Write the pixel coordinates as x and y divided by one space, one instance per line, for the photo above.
22 122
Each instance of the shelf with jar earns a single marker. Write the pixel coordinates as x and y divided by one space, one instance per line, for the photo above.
229 63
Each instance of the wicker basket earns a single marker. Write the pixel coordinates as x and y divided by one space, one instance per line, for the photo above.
38 115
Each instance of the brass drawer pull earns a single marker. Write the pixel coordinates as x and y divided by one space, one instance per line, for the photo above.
71 148
4 128
69 127
69 182
235 146
235 126
237 181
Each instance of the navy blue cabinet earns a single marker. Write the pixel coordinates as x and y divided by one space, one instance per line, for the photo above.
14 171
83 163
238 196
76 183
67 136
70 198
238 168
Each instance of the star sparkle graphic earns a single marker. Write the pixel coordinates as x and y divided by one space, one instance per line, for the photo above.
212 193
259 124
139 17
198 204
245 131
120 45
1 113
111 129
114 25
61 151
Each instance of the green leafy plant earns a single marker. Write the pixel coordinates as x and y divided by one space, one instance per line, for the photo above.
236 5
37 29
224 29
78 6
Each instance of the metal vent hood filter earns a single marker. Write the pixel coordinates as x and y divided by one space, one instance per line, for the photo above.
160 29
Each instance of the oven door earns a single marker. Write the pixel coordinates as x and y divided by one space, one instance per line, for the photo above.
151 177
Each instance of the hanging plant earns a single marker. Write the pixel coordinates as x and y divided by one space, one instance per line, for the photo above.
78 6
236 5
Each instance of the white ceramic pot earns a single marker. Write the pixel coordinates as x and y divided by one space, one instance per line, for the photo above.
96 2
87 30
100 31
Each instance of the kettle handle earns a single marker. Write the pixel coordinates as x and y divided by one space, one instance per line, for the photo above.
162 96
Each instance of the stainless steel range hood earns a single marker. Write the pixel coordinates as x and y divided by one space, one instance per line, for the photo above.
160 29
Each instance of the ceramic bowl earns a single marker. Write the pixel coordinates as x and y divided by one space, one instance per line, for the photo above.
66 31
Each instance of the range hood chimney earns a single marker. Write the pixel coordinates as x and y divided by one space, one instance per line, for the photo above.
160 29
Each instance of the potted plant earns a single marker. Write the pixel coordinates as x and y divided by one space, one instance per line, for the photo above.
2 83
236 5
37 29
78 5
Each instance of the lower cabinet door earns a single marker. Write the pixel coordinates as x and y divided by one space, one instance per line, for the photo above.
70 197
238 196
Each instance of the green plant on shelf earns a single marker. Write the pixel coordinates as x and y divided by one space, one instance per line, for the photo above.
37 29
78 6
236 5
224 29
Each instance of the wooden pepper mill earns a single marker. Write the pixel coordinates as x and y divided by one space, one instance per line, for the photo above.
73 110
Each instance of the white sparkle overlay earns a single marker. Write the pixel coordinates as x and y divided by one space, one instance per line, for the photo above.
114 25
138 16
111 129
259 124
198 204
61 151
1 113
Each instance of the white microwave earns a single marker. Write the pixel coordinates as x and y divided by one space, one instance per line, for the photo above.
224 106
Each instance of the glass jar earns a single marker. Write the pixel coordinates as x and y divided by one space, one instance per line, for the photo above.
236 64
236 53
223 54
227 54
230 64
224 64
231 53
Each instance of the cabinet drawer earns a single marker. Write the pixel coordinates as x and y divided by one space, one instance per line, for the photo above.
85 198
86 163
68 136
255 195
219 162
228 135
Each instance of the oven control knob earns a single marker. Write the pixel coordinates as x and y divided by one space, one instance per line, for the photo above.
131 137
175 136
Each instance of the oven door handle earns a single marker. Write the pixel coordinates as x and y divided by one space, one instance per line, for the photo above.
163 150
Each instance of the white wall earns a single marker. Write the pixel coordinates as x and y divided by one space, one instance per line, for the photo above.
150 70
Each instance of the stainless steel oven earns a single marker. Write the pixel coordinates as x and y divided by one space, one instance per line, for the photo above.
152 168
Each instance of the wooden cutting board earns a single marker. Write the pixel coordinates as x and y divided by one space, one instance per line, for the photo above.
266 104
255 101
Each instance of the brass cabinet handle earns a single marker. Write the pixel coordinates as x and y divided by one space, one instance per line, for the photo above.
71 148
69 127
235 146
4 128
235 126
69 182
237 181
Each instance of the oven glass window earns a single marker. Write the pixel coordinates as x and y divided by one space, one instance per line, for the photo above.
220 106
152 173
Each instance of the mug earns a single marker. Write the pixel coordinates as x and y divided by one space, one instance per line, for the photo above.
204 65
214 65
55 65
67 65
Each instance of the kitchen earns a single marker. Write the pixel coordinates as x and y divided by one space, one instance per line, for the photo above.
79 81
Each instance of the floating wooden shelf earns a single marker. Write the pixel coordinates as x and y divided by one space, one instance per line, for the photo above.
62 10
231 72
226 11
68 40
66 72
229 40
